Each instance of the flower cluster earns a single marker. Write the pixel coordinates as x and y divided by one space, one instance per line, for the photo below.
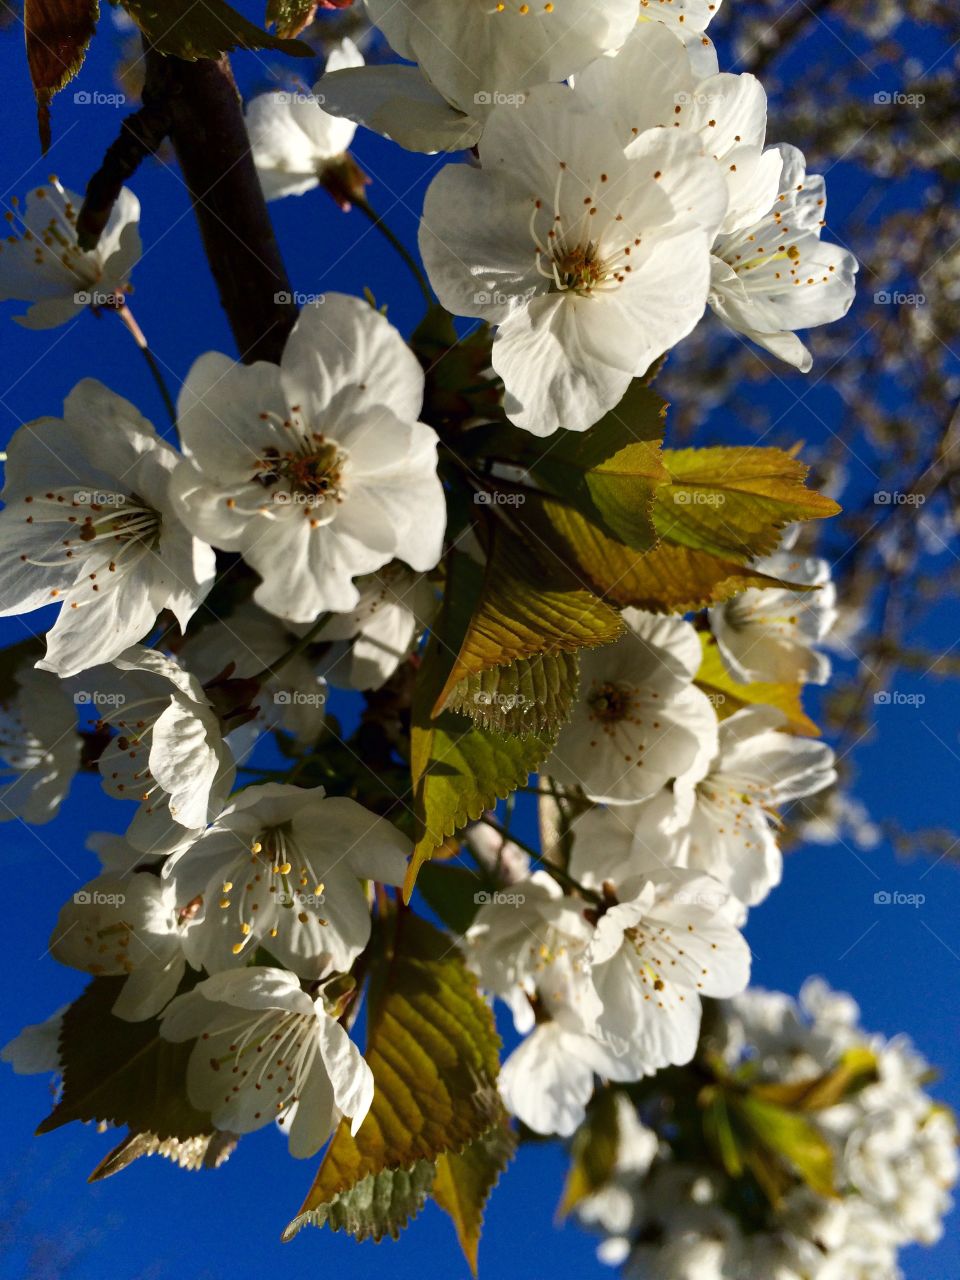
333 521
892 1150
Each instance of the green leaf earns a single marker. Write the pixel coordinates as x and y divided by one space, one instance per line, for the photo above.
593 1152
186 29
532 695
122 1072
57 33
733 502
719 1131
528 604
457 769
611 472
290 16
729 695
464 1182
856 1069
433 1050
792 1138
451 893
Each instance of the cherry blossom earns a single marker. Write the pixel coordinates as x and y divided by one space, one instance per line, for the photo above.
283 866
45 266
265 1051
316 471
88 523
293 140
39 747
639 720
593 260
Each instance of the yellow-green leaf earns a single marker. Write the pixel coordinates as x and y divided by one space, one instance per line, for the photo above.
667 579
532 695
457 769
528 604
729 695
464 1181
290 16
593 1152
856 1069
789 1136
56 33
611 472
186 29
734 501
433 1050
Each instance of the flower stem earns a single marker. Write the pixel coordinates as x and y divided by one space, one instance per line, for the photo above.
126 315
562 878
364 206
294 651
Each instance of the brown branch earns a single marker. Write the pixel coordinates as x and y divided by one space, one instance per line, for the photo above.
141 134
210 139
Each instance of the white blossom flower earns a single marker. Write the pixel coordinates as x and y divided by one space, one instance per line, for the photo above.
689 19
478 55
317 471
593 260
88 522
399 102
129 925
44 265
651 83
283 866
529 947
777 275
499 856
266 1051
370 642
167 752
668 941
769 634
36 1049
725 819
639 721
293 139
39 747
293 698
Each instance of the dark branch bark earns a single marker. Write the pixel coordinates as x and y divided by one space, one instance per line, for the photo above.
210 140
141 134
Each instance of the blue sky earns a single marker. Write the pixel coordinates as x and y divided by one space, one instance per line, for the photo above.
902 963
